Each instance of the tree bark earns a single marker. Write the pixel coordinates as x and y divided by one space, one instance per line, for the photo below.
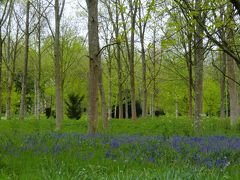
133 9
143 57
119 64
58 66
25 67
232 88
231 68
154 74
199 58
190 76
126 103
109 84
115 24
94 58
103 99
222 85
38 79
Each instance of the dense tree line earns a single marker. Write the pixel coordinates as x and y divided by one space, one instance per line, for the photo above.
148 57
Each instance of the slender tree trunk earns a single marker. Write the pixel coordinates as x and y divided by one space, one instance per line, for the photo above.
11 75
133 7
103 99
190 78
35 95
109 88
222 85
94 58
58 71
199 58
38 79
154 74
115 111
119 65
130 53
126 104
9 95
153 104
223 67
144 79
115 24
25 68
142 26
120 87
190 96
227 100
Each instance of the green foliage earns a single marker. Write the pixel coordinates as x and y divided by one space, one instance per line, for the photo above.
74 108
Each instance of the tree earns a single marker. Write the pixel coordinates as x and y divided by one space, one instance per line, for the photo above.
231 71
57 65
74 109
12 52
133 7
25 67
142 29
198 66
94 62
117 51
7 6
39 62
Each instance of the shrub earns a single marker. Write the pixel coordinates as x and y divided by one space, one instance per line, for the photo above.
74 106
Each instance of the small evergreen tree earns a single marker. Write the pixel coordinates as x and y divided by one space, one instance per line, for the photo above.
74 106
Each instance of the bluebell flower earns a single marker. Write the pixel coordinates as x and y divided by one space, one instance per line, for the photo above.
151 159
114 144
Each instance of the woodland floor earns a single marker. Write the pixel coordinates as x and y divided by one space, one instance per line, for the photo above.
149 148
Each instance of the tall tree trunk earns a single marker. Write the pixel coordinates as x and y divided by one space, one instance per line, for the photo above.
223 67
190 96
222 85
58 71
130 52
126 103
120 87
190 76
103 99
9 74
142 27
199 58
109 87
35 94
133 9
94 61
154 74
231 68
38 79
232 88
25 67
115 24
119 64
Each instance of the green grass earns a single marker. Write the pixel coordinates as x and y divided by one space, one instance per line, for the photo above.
33 150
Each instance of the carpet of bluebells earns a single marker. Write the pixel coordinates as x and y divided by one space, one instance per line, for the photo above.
67 150
209 151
